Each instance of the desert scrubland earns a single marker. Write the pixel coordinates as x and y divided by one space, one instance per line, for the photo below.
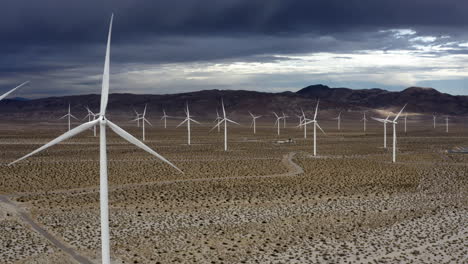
260 202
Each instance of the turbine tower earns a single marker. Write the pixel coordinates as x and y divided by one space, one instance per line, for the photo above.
69 115
224 120
364 119
314 121
103 123
434 117
384 121
446 124
143 121
254 124
165 117
394 122
187 120
12 90
338 118
277 122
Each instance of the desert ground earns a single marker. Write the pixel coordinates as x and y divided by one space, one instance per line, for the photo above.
259 202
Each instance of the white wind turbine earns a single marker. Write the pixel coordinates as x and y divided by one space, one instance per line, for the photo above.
315 122
394 122
277 122
165 117
143 121
300 120
218 118
187 120
338 118
137 117
303 123
284 120
254 124
364 119
384 121
12 90
224 120
93 116
103 123
69 115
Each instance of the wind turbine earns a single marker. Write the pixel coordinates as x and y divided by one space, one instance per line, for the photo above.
165 117
338 118
277 122
89 116
434 117
12 90
137 117
187 120
364 119
143 121
394 122
253 122
69 115
224 120
103 123
303 122
218 118
284 120
314 121
300 120
384 121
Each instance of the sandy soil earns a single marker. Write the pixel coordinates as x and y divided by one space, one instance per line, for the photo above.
260 202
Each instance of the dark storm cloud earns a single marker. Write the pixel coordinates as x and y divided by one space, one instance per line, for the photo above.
51 36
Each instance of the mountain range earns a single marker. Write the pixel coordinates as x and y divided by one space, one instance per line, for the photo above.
239 102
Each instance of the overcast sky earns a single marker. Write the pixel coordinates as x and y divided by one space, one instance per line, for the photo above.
269 45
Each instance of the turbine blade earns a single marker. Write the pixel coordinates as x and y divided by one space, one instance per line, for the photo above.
386 119
147 121
379 119
185 120
224 110
217 125
119 131
105 74
63 116
73 116
234 122
195 121
320 128
316 110
399 113
144 111
12 90
61 138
